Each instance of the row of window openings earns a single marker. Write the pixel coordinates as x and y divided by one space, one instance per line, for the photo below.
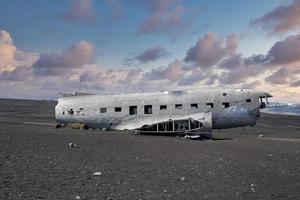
148 108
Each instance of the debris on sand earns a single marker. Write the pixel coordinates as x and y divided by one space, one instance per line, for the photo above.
261 135
192 137
97 174
252 187
78 125
57 125
77 197
72 145
182 178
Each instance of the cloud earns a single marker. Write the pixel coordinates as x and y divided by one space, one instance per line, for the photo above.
236 76
282 19
80 11
211 49
192 76
260 59
73 69
286 51
150 54
173 72
282 53
133 76
232 61
284 75
251 85
84 12
165 16
54 64
7 52
237 69
11 58
295 84
5 37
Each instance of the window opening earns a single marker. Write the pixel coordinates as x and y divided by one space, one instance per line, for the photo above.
178 106
71 112
148 109
194 124
161 127
176 126
118 109
132 110
181 125
225 104
169 126
194 105
163 107
102 110
210 104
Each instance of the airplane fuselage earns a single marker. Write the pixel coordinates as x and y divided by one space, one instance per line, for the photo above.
214 109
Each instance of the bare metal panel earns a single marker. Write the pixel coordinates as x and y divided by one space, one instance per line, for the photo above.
227 107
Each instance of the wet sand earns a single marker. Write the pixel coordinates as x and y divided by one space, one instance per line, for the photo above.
36 161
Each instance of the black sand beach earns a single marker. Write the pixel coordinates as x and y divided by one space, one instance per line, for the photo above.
36 161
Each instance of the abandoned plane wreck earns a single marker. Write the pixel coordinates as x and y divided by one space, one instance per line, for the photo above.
194 112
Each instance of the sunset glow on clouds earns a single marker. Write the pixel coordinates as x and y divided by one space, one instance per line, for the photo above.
113 46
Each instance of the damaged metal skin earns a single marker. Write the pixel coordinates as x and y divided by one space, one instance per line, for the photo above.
190 112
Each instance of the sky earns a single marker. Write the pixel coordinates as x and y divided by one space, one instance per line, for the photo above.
116 46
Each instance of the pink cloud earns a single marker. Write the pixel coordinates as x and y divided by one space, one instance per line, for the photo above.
286 51
80 11
295 84
150 54
70 70
165 16
11 58
282 19
211 49
7 52
284 75
172 72
73 57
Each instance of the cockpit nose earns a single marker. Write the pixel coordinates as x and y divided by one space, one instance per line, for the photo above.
263 97
268 95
